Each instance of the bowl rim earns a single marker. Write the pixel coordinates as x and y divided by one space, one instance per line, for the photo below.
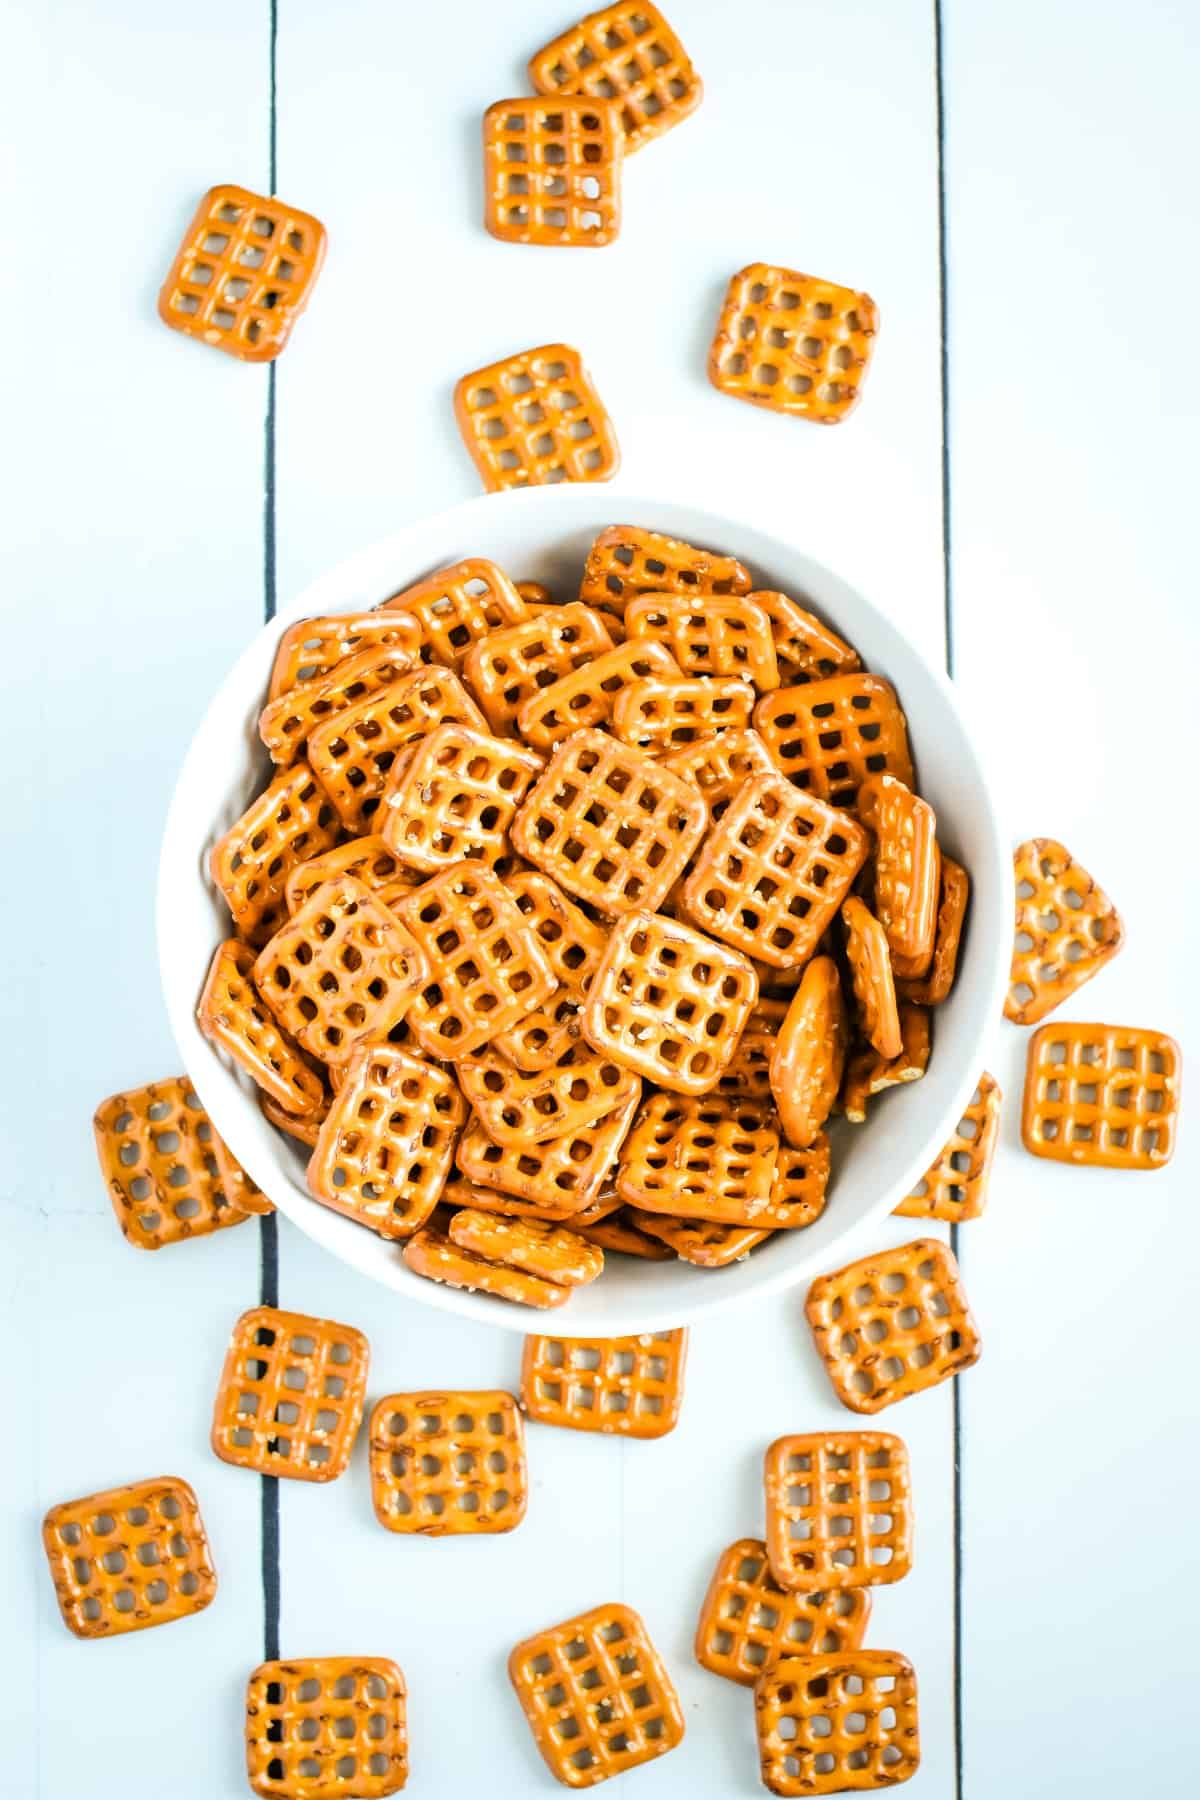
201 1060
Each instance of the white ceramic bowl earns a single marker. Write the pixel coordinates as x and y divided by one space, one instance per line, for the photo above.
543 534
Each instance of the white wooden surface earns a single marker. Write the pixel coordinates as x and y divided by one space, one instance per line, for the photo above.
134 545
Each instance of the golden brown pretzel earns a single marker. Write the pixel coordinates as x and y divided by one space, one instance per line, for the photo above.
798 1192
805 648
367 858
509 666
290 1397
703 1158
158 1155
632 1386
828 736
1067 928
793 343
716 636
284 724
312 648
129 1558
935 987
453 797
747 1621
552 171
871 978
747 1074
457 606
232 1015
560 1177
431 1253
703 1242
536 417
573 943
720 764
868 1073
663 715
626 50
839 1510
553 1252
955 1186
906 870
625 561
620 1234
831 1724
587 696
1107 1095
308 1719
448 1463
288 823
810 1053
582 1087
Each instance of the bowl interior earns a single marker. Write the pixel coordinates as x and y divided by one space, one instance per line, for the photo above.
543 534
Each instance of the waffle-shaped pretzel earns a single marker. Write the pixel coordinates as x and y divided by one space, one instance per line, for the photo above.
543 1037
626 561
871 978
458 606
609 824
448 1463
699 1241
387 1145
805 648
830 735
552 171
892 1324
453 797
463 1194
1107 1095
287 824
488 968
748 1621
659 715
353 752
702 1158
868 1073
536 417
1066 930
582 1087
906 870
810 1053
291 1395
341 971
129 1558
554 1253
793 343
771 876
431 1253
509 667
367 859
720 764
243 273
632 1386
799 1189
955 1186
839 1510
619 1233
597 1696
573 944
831 1724
157 1152
232 1015
747 1074
588 696
628 51
711 637
284 724
326 1725
935 986
305 1131
557 1178
669 1003
312 648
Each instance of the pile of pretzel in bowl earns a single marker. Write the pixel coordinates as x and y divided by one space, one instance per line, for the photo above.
563 927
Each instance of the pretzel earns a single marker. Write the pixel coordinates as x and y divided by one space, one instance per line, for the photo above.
367 859
387 1145
284 724
702 1158
582 1088
488 968
805 648
508 667
907 870
456 607
544 1036
828 1724
626 561
448 1463
460 1193
714 637
793 343
868 1073
352 753
287 824
747 1621
632 1386
955 1187
291 1395
233 1017
624 1237
305 1131
573 944
1067 929
1105 1095
935 987
746 1075
432 1254
810 1053
668 1003
240 1189
630 52
538 1248
871 978
892 1324
312 648
341 971
129 1558
798 1190
536 417
597 1696
243 273
610 825
534 594
839 1510
720 764
552 171
771 876
828 736
157 1152
699 1241
453 796
558 1178
659 715
326 1725
587 697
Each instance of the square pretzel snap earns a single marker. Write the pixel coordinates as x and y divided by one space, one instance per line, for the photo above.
1067 928
129 1558
665 715
291 821
327 1725
510 666
747 1621
552 171
629 52
793 343
536 417
284 724
828 736
730 636
831 1724
839 1510
243 274
291 1394
458 607
597 1695
588 696
448 1463
311 649
627 560
955 1186
1101 1094
158 1154
581 1088
453 797
556 1178
538 1246
631 1386
233 1016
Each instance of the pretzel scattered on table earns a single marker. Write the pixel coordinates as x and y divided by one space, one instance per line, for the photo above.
510 666
1067 928
1105 1095
828 1724
793 343
809 1053
747 1621
448 1463
626 560
291 821
290 1397
730 636
553 1252
588 695
628 51
232 1016
871 978
552 171
630 1386
312 648
536 417
839 1511
955 1186
326 1725
158 1155
434 1255
453 797
828 736
129 1558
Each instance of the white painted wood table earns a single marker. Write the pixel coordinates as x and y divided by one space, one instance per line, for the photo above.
1014 185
